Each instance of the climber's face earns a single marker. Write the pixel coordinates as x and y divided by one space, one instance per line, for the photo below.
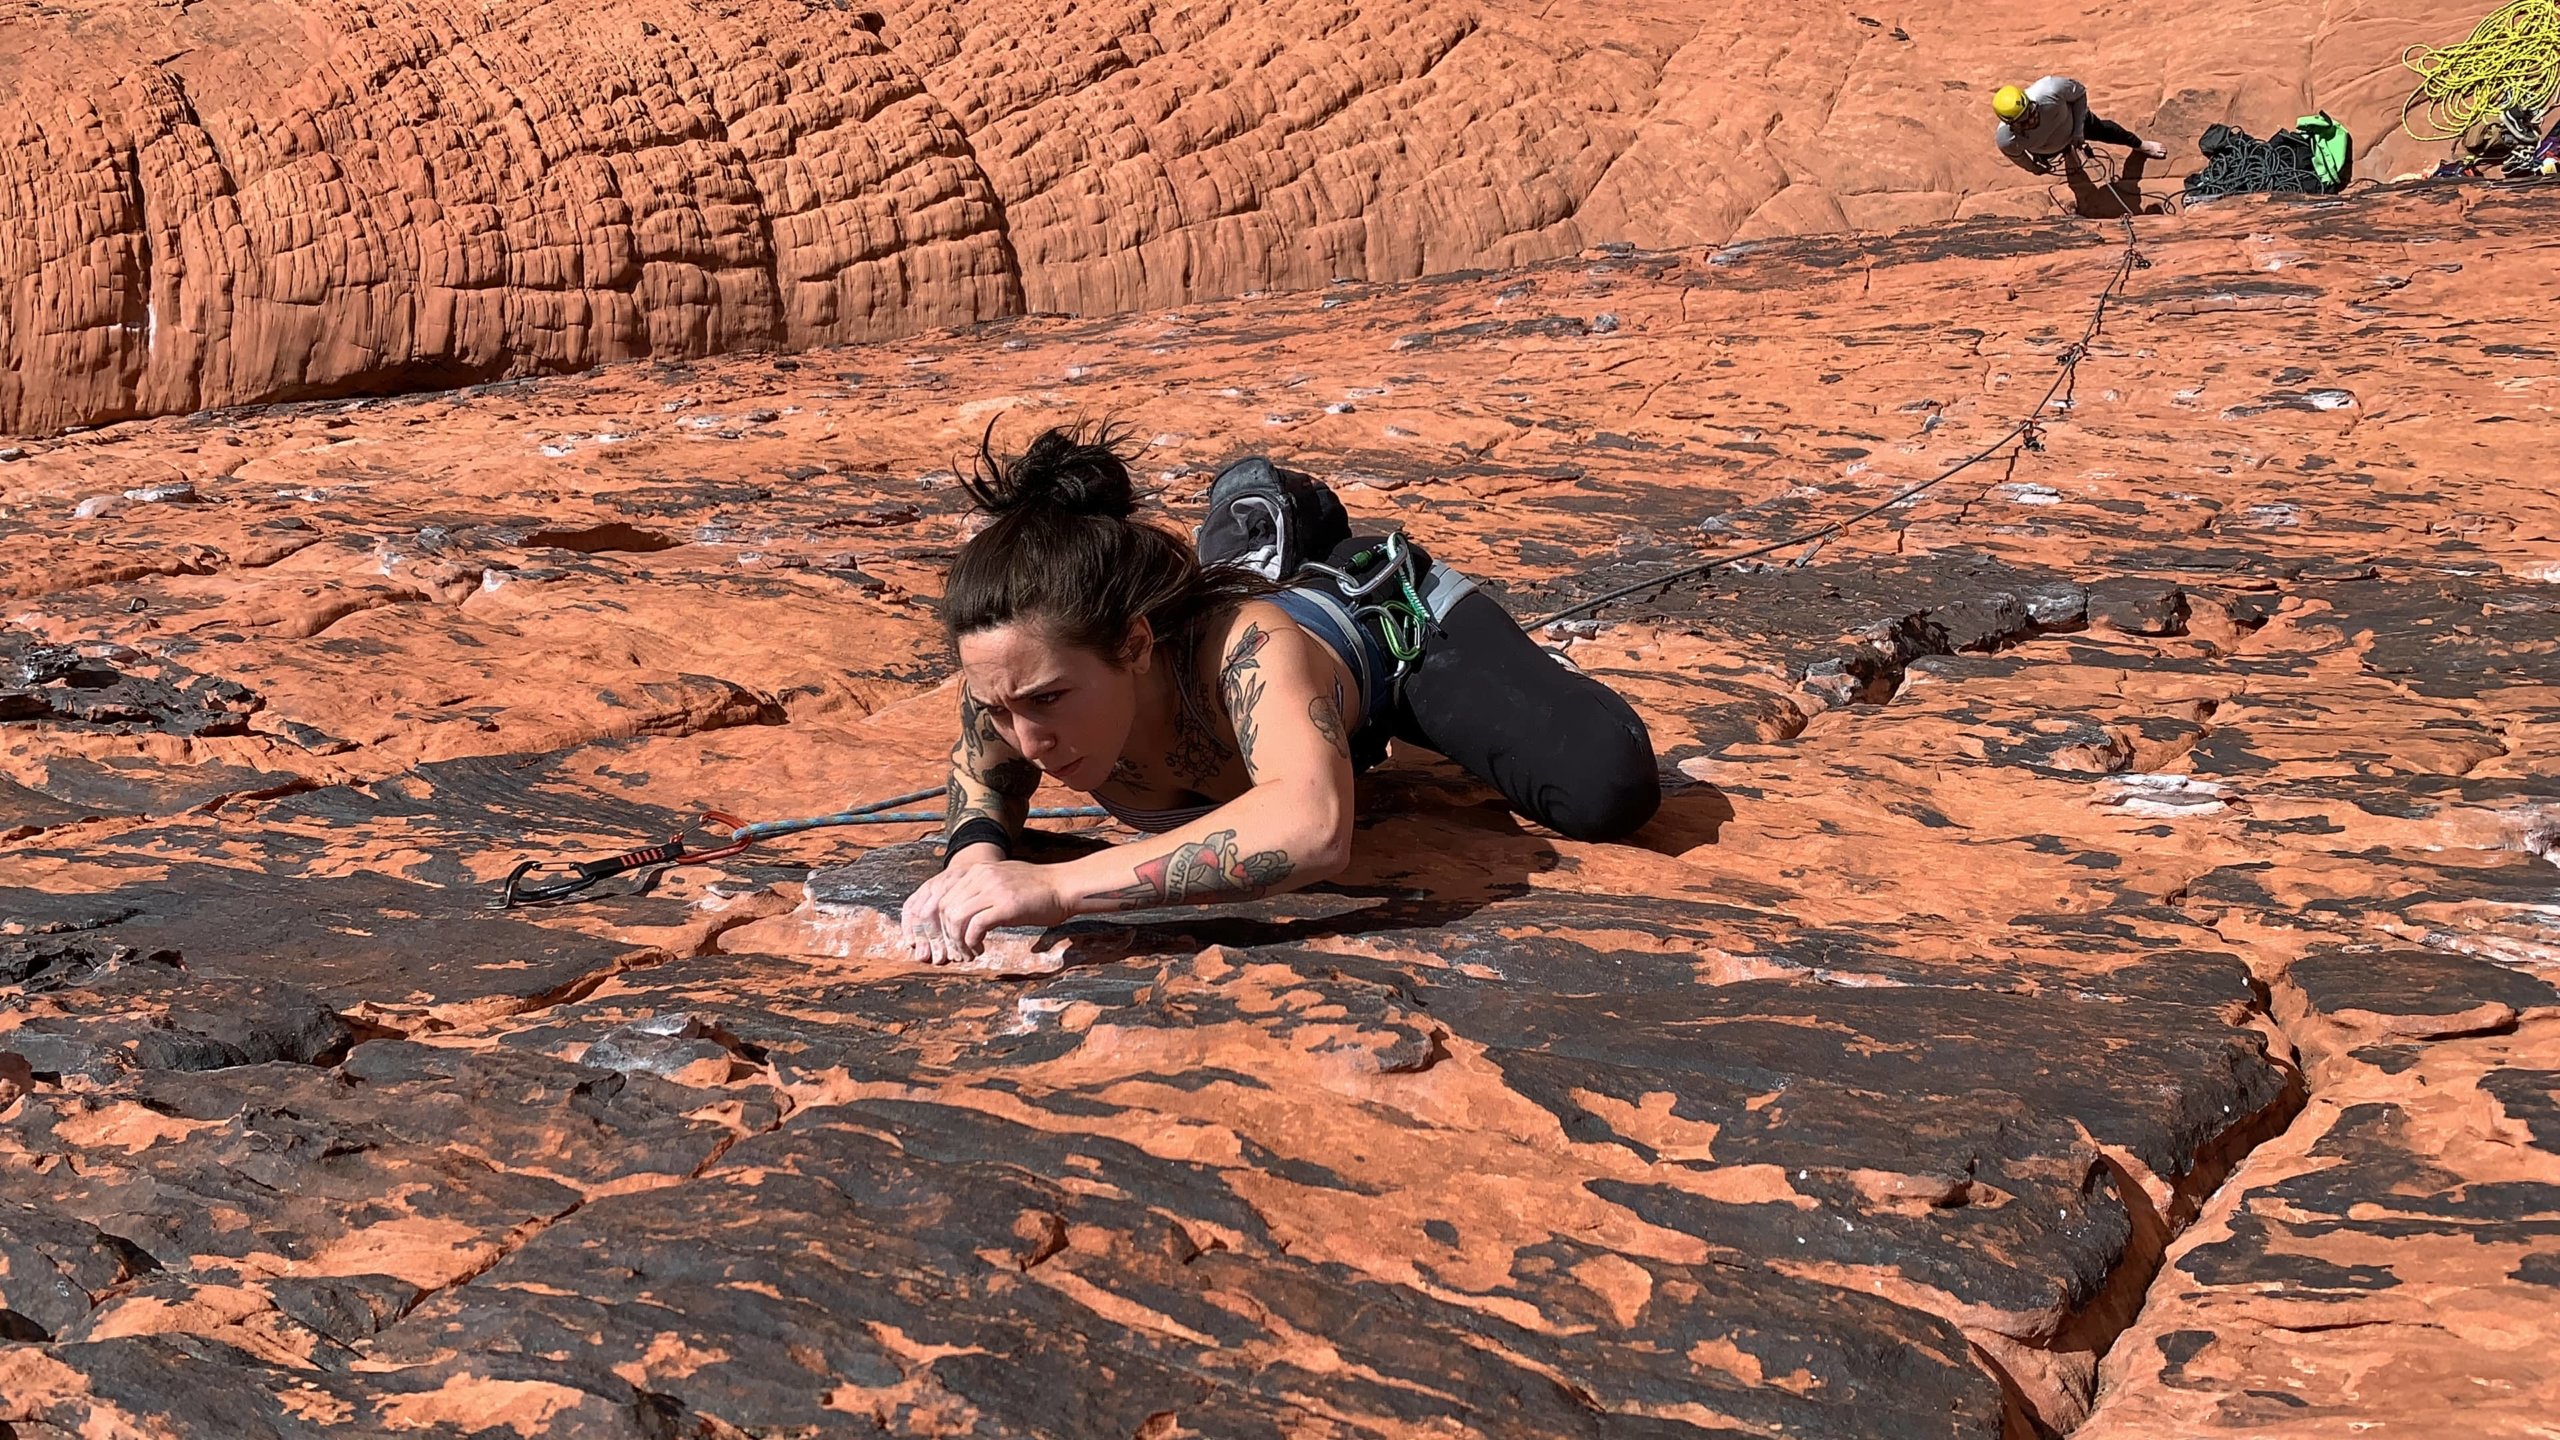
1064 708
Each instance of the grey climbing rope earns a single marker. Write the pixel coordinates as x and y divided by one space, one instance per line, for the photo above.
2027 434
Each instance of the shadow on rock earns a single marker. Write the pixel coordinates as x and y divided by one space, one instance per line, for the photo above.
2110 194
1693 814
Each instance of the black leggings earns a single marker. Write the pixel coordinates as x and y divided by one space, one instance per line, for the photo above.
2108 132
1564 749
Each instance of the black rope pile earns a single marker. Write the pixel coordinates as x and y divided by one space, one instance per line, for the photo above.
2239 163
2025 435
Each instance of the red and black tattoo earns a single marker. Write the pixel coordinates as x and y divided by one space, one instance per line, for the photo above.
1202 871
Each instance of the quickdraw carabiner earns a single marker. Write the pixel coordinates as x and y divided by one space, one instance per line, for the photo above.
520 890
1404 621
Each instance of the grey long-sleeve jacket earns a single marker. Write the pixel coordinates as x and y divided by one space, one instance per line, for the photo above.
2059 121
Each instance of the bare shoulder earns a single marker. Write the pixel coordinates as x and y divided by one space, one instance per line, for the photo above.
1243 632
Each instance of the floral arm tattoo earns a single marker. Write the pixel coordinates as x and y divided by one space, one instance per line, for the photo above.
1202 872
1240 686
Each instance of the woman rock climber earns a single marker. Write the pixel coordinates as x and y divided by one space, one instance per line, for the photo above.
1222 701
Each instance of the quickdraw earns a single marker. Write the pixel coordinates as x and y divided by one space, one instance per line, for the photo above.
520 889
733 836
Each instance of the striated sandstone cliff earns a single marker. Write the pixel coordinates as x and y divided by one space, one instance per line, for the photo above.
233 201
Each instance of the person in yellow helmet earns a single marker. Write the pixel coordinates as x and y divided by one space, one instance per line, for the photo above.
2050 121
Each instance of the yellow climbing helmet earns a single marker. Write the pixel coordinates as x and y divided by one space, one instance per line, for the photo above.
2009 102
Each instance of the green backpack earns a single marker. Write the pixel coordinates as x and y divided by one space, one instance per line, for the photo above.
2329 147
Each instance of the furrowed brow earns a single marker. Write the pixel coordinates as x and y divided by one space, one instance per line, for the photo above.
1042 688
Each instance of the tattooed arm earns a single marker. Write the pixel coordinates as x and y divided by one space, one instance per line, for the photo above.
1279 691
988 783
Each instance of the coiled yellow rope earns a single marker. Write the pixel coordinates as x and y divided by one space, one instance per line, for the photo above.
2511 59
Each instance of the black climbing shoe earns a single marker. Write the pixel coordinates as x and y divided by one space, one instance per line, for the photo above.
1269 520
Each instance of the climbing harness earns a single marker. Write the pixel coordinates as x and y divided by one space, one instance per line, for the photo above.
2510 61
1275 522
732 835
2239 163
1404 619
2026 435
